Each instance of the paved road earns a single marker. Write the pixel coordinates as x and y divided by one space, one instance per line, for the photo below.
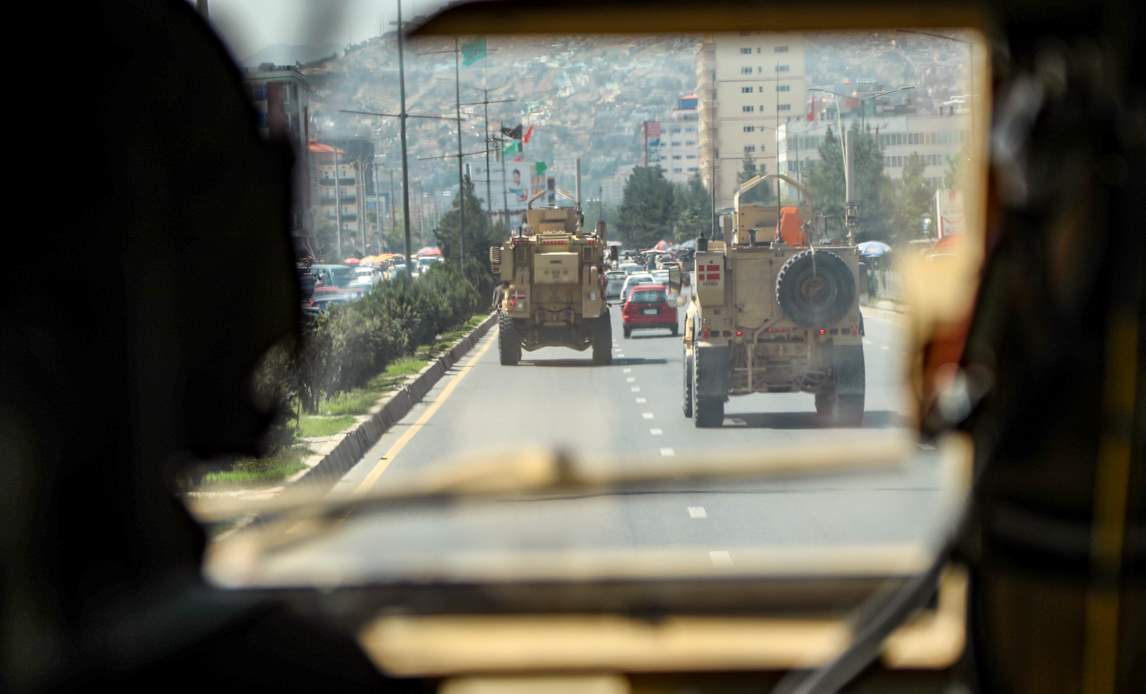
555 397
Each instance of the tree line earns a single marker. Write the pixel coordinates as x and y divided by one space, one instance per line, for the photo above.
653 208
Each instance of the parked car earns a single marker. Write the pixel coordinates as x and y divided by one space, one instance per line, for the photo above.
614 282
649 307
632 281
365 277
332 278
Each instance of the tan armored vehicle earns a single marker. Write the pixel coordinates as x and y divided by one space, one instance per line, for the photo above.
556 291
772 312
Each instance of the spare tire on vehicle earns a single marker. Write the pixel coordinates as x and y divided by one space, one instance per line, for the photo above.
815 288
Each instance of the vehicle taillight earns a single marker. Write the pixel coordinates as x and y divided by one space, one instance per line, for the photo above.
739 332
823 331
704 333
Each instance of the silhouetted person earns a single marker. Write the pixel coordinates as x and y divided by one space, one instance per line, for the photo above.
141 306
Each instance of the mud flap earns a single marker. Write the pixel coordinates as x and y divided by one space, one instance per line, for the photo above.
712 368
848 365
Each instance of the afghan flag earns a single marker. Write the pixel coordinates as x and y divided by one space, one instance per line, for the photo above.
512 148
514 133
528 134
473 51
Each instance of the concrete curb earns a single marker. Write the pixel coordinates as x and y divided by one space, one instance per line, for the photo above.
358 440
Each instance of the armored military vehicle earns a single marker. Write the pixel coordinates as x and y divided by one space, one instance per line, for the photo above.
556 286
774 312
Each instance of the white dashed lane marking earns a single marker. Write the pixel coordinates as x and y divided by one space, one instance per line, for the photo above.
631 379
641 401
720 558
626 370
636 389
656 432
667 452
697 512
647 415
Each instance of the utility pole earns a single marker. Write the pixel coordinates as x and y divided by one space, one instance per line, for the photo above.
393 203
337 205
461 177
402 121
377 205
485 102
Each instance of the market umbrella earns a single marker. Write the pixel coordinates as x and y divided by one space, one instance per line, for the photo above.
350 261
428 251
873 249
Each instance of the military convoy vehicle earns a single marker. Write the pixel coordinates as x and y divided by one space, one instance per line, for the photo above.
773 312
556 290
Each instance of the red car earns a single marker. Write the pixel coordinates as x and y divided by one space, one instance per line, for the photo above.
648 306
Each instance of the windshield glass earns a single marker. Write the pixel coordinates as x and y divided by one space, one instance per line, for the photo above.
651 297
795 319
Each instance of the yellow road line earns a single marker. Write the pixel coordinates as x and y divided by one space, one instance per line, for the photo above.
381 465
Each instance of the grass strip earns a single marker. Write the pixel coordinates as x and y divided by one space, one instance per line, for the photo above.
253 471
318 425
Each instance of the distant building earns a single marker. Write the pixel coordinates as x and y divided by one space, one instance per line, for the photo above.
613 187
936 138
748 84
680 154
350 188
281 97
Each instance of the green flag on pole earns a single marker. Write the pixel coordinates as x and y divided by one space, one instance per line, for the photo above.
473 51
512 148
540 167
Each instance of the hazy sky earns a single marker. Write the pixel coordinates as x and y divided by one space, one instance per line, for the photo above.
249 26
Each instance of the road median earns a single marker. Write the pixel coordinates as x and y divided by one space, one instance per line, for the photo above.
337 454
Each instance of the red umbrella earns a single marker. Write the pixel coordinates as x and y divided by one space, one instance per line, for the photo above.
428 251
350 261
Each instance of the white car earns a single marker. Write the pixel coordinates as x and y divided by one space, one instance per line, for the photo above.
629 268
365 276
633 280
614 282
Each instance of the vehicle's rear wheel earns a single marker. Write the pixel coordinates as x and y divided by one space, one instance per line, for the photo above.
508 343
687 404
706 411
628 331
603 340
675 329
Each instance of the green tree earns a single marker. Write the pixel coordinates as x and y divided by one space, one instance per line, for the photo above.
763 193
480 233
692 209
955 165
914 197
825 181
647 208
870 186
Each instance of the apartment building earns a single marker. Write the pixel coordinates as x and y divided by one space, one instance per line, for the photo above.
680 138
748 84
936 138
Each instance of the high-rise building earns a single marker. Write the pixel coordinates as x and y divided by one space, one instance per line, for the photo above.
349 189
680 156
748 83
281 97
